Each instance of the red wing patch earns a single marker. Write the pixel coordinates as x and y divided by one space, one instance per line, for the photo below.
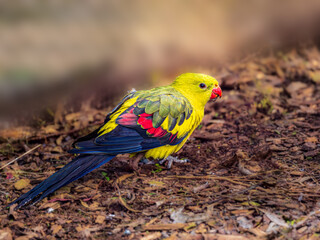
173 137
129 119
145 120
158 132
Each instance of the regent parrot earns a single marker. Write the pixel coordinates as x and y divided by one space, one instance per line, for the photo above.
154 122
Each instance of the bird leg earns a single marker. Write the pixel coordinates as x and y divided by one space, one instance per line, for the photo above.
171 159
146 161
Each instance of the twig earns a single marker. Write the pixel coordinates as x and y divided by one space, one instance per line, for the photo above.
209 177
304 219
123 203
17 158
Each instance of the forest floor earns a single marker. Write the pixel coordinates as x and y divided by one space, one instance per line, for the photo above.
254 168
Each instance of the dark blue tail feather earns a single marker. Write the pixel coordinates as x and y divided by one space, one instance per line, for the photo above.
77 168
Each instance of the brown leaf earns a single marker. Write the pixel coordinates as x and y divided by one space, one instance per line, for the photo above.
242 212
53 205
311 139
55 229
276 148
258 232
312 153
203 135
200 188
50 129
29 235
72 116
225 237
5 234
86 230
152 236
94 206
156 183
172 237
17 133
124 177
21 184
169 226
100 219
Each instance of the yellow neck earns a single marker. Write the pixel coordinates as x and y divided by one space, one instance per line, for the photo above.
197 102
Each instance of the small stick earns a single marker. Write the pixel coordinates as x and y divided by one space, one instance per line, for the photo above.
123 203
17 158
209 177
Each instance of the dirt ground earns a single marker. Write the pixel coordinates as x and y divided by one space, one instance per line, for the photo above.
253 173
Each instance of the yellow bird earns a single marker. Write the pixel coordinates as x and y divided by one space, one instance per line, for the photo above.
155 123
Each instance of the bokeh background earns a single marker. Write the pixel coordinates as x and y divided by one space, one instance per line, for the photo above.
71 54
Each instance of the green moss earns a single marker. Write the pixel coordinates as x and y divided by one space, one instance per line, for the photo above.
265 105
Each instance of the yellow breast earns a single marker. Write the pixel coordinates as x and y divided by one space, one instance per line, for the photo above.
188 126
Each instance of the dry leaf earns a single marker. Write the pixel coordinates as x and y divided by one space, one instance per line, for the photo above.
17 133
275 218
156 183
258 232
152 236
72 116
226 237
311 139
21 184
100 219
53 205
93 206
55 229
50 129
169 226
86 230
5 234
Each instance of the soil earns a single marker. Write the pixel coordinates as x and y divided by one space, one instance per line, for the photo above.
253 169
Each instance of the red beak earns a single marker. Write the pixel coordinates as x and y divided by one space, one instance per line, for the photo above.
216 92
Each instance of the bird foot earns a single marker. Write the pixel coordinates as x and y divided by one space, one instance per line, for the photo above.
146 161
171 159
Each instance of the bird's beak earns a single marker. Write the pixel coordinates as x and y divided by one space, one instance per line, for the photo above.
216 92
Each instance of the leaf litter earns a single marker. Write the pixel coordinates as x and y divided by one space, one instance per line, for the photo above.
253 173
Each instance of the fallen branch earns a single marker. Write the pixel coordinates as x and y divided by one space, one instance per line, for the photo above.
17 158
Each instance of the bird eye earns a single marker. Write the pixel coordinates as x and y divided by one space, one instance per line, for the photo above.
202 85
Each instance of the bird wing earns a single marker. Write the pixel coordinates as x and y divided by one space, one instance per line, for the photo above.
152 119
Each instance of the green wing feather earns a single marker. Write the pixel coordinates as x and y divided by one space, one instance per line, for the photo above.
152 107
164 109
157 120
164 103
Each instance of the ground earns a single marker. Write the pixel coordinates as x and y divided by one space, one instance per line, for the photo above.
253 173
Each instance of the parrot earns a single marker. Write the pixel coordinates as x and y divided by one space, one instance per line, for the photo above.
155 123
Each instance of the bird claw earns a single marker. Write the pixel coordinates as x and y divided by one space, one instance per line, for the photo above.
171 159
146 161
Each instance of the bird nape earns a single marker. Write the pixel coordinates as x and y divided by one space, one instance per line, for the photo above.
155 122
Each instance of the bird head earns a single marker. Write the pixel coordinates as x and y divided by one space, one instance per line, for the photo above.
198 88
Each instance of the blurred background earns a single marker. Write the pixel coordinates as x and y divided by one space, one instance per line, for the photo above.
60 57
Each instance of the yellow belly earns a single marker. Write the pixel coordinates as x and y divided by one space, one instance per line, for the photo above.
167 150
164 151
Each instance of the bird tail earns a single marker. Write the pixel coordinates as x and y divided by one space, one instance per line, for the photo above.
78 167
